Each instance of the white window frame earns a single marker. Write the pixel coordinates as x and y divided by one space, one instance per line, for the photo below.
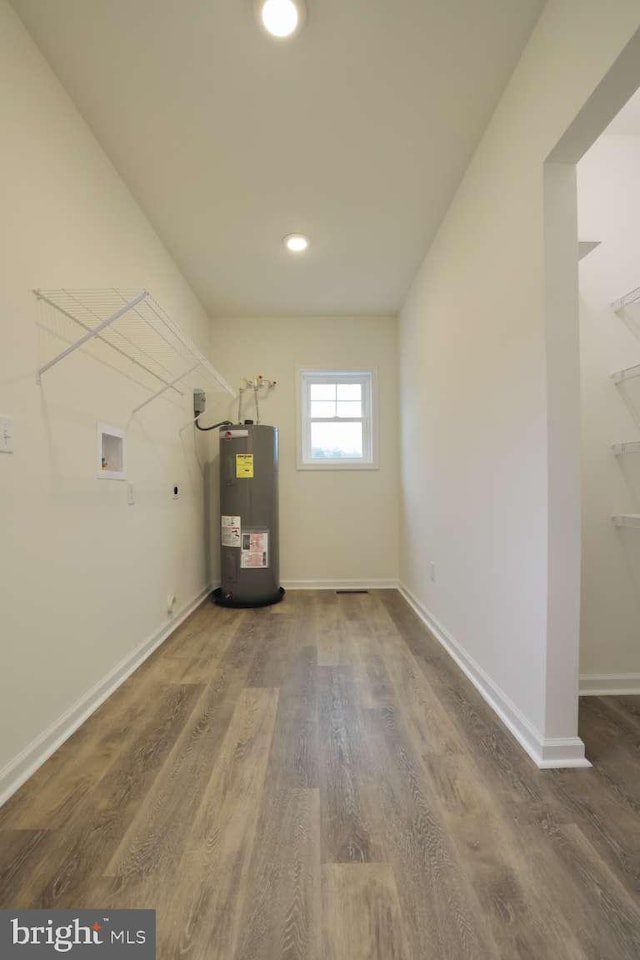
368 379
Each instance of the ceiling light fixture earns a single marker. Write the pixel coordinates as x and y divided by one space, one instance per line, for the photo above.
281 18
296 243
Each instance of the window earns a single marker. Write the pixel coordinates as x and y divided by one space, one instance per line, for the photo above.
336 422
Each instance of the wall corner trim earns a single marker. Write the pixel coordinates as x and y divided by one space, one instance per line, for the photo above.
18 770
609 684
546 753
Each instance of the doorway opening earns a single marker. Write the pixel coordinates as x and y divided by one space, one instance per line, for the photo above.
571 603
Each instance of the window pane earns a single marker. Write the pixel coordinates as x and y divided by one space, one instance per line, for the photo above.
321 408
349 409
323 391
330 441
349 391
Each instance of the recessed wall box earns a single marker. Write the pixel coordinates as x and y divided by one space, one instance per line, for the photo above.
111 462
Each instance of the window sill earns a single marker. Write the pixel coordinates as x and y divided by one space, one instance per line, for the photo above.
328 465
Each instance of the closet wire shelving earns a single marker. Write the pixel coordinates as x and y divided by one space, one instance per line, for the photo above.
620 307
127 330
626 519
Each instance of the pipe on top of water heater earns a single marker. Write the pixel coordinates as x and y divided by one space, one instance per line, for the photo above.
256 384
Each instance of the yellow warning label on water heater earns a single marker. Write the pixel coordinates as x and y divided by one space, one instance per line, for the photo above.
244 464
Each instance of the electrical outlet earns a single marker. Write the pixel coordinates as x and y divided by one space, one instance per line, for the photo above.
171 603
199 402
131 494
6 434
432 567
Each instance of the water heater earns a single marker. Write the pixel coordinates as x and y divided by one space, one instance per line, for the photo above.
249 554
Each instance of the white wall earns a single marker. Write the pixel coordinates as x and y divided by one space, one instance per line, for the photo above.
337 524
83 577
609 211
473 380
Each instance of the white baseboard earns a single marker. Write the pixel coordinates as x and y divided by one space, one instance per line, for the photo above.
609 684
545 752
340 584
25 764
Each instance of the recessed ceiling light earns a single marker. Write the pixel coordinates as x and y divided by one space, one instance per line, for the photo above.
296 242
281 18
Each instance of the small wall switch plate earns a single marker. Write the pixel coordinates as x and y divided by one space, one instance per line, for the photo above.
131 494
6 434
432 568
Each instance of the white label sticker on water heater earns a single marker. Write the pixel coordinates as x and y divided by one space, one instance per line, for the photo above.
231 531
255 549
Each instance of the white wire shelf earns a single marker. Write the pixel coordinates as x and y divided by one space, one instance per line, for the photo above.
632 297
631 446
626 519
626 374
128 330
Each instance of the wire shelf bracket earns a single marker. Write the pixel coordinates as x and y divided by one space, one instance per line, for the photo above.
133 325
626 519
618 376
167 386
631 446
632 297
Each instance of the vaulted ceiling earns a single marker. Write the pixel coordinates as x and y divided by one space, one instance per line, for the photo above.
356 132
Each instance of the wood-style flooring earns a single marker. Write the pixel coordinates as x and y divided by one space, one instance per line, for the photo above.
318 781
